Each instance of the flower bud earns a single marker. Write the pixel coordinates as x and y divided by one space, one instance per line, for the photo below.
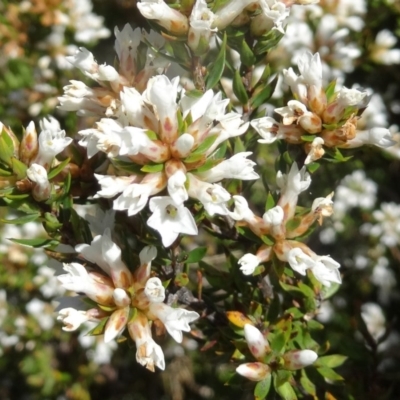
310 122
297 359
254 371
38 174
182 146
154 290
121 298
258 345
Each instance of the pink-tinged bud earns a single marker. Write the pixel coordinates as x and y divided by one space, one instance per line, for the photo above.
316 99
297 359
173 166
333 112
254 371
258 345
182 147
116 324
121 298
310 122
315 150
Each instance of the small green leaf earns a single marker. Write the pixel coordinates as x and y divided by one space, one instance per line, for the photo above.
308 138
238 88
19 168
278 342
330 91
247 56
36 243
268 240
286 391
293 223
262 388
328 292
21 220
329 374
152 168
332 361
312 167
196 255
307 385
99 329
270 203
205 145
6 152
217 68
263 93
55 171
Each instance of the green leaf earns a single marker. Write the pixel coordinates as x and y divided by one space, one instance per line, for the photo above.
262 388
330 91
55 171
6 151
308 138
21 220
308 386
19 168
270 202
286 391
332 361
293 223
44 243
216 70
238 88
278 342
312 167
152 168
205 145
210 163
329 374
328 292
267 42
247 56
268 240
196 255
99 329
151 135
263 92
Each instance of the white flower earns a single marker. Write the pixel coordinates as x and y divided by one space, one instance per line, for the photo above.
248 263
176 187
154 290
213 196
311 69
52 141
242 210
316 151
326 270
256 342
292 111
96 286
170 219
268 129
236 167
200 31
170 19
175 320
38 174
274 216
71 318
350 97
226 14
148 352
161 93
134 197
299 261
374 319
380 137
291 186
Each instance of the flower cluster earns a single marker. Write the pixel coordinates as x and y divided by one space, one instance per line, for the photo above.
260 349
123 300
31 159
319 117
279 226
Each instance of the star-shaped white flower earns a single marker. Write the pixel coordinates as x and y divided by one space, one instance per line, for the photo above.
170 219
